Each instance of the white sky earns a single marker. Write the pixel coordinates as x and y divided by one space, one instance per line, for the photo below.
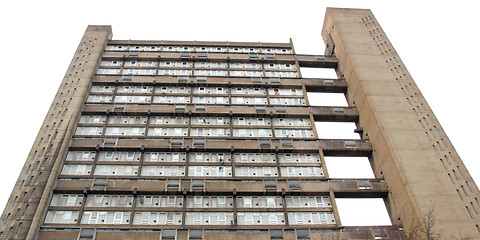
437 41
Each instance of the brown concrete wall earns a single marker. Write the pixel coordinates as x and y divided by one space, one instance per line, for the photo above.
46 157
396 118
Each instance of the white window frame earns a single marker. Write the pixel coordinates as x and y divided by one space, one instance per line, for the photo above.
299 218
222 218
197 218
170 218
248 218
271 202
197 200
272 218
145 218
118 218
247 202
93 217
222 201
147 201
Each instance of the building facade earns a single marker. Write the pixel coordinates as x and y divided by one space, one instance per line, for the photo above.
217 140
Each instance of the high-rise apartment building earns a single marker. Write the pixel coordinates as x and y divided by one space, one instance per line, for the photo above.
217 140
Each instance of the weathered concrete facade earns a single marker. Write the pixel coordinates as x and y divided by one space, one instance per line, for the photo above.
26 207
217 140
411 151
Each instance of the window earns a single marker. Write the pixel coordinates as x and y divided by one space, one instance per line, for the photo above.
197 201
171 201
468 185
320 202
451 179
267 171
469 213
272 218
244 171
175 157
291 171
241 121
197 218
221 218
271 202
67 217
247 202
464 191
296 201
145 217
261 121
147 201
304 133
98 201
96 119
309 158
169 218
454 173
323 218
473 206
105 169
71 200
299 217
198 171
118 218
248 218
81 169
93 218
221 201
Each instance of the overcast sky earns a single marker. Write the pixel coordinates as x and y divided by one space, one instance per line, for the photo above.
437 41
